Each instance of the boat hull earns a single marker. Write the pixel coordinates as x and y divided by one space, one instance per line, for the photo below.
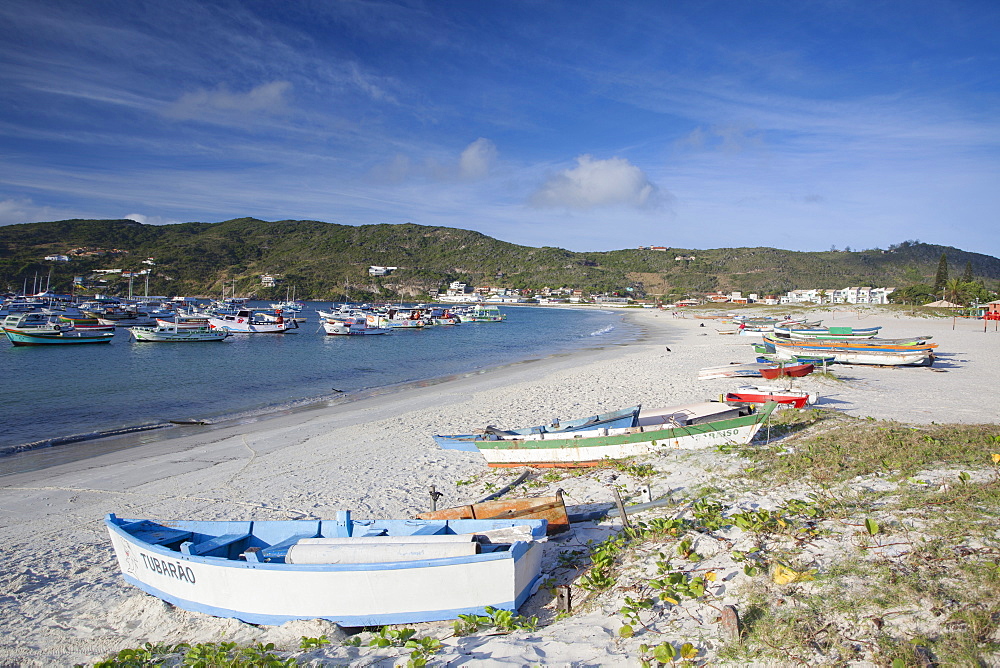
592 448
762 395
625 417
177 335
552 509
57 339
350 594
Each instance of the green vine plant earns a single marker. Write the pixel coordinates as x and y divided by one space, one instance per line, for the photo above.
202 655
505 621
421 649
313 643
665 653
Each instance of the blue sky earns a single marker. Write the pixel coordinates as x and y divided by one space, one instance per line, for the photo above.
580 124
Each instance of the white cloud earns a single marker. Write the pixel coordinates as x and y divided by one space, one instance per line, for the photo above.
150 220
209 105
15 211
597 183
477 159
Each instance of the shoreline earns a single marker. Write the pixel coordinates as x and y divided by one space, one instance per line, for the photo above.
16 459
68 604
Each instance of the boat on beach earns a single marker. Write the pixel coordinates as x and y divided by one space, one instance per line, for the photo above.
761 394
748 370
870 351
797 370
552 509
352 572
692 426
794 332
625 417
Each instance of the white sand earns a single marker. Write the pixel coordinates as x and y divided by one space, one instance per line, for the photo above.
63 598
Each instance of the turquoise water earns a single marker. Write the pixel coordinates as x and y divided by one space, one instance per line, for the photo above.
67 395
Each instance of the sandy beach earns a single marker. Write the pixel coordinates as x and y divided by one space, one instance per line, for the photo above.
65 601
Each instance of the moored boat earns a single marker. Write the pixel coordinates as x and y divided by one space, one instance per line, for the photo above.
692 426
352 572
173 333
249 321
483 313
61 338
358 325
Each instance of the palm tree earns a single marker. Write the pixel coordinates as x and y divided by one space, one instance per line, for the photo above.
955 290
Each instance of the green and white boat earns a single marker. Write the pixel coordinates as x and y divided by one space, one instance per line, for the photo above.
689 427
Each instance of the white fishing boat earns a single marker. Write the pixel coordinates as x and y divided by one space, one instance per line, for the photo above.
175 333
249 321
354 326
352 572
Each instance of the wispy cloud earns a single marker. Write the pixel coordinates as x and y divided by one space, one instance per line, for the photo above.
221 104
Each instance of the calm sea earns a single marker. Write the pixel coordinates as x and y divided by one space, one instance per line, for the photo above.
55 394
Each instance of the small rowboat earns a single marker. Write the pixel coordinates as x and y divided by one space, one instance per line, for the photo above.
790 370
352 572
759 394
687 427
625 417
734 370
549 508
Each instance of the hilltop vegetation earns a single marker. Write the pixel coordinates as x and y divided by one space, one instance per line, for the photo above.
326 260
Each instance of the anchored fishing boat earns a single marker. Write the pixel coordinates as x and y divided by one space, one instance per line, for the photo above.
55 338
177 333
352 572
248 321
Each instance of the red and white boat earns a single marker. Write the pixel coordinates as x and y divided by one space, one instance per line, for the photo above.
760 394
790 370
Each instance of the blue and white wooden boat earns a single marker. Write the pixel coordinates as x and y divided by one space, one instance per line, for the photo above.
352 572
625 417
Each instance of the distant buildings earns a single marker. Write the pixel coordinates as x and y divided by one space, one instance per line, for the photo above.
380 271
852 295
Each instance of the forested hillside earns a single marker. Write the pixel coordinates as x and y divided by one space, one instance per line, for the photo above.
324 260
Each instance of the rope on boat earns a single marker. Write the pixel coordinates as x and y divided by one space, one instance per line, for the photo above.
521 478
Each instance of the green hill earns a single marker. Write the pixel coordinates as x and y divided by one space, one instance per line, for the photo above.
323 260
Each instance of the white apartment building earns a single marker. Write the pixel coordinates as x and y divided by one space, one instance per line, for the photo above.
852 295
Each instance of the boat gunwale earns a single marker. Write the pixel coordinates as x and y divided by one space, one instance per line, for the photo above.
634 435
